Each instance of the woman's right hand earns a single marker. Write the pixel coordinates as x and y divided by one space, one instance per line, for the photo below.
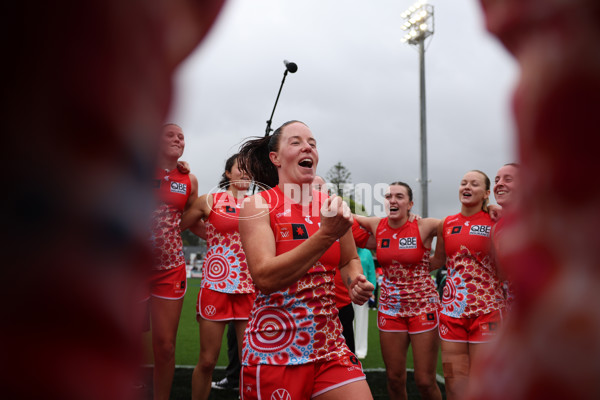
336 217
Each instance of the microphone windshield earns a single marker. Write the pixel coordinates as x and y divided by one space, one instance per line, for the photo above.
290 66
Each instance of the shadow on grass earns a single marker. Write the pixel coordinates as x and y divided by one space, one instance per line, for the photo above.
181 389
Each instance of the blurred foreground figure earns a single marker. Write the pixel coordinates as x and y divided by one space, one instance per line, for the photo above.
551 348
84 96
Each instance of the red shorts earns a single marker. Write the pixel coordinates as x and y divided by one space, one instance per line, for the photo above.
168 283
218 306
298 381
417 324
481 329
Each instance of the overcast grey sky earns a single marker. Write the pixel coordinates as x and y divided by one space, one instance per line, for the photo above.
357 88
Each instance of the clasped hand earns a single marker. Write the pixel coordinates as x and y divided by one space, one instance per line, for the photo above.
360 290
336 217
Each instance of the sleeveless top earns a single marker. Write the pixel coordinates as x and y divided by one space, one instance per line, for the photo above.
225 269
407 288
172 189
472 285
298 324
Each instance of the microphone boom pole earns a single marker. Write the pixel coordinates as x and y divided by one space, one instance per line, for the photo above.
289 67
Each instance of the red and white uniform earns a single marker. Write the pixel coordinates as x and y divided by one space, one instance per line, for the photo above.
297 325
407 289
499 239
173 190
472 285
225 269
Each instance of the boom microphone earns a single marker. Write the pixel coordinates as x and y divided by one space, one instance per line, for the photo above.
290 66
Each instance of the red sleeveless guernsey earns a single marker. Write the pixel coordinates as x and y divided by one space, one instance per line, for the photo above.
407 289
472 286
172 189
298 324
224 268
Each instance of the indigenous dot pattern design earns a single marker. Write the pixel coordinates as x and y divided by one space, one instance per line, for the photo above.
296 326
225 269
299 324
472 285
173 189
407 291
167 245
407 288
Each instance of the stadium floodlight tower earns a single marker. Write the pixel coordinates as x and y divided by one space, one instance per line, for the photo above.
418 26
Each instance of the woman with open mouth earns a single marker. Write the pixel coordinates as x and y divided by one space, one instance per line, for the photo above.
409 302
473 298
294 238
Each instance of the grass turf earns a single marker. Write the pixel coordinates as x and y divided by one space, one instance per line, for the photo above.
188 342
188 348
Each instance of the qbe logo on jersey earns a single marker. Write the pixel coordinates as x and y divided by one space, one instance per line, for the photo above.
407 243
177 187
480 230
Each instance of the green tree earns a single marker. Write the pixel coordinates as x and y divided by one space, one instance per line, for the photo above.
337 176
355 207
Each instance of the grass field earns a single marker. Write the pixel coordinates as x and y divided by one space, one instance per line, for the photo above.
188 348
188 343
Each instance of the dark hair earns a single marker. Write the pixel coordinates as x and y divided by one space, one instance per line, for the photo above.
228 166
253 158
488 184
408 189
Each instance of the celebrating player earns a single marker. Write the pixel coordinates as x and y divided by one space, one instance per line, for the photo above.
473 298
176 192
409 302
294 238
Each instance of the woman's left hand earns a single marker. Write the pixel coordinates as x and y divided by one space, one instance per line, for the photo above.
183 167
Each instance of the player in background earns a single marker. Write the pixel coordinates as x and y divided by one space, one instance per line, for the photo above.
175 192
473 299
227 292
409 302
